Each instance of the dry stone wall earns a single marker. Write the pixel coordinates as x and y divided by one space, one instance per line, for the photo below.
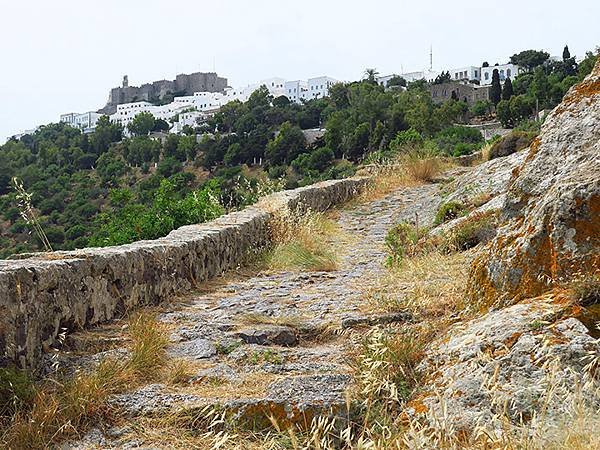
43 295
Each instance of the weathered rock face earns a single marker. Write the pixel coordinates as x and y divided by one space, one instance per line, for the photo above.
552 208
511 364
45 295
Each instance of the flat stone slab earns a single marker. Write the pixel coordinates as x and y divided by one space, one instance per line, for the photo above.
194 349
269 335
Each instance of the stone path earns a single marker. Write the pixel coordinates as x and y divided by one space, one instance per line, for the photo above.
278 343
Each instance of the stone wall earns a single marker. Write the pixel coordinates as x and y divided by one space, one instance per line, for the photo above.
46 294
185 84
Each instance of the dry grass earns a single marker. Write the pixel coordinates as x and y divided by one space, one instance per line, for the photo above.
386 178
422 168
486 152
61 409
409 169
302 241
430 284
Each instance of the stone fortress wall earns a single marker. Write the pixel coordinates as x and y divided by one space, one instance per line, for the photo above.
43 295
185 84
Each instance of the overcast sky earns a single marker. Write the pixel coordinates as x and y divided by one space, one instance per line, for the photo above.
61 56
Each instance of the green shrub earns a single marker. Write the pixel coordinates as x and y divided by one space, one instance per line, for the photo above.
459 140
473 230
403 240
407 138
449 211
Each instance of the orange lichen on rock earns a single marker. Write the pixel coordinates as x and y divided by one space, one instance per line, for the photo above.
552 212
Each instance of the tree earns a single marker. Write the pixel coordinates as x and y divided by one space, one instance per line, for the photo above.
587 64
105 134
281 101
569 63
142 124
496 89
540 87
511 112
481 108
396 80
485 64
161 125
507 89
287 145
530 59
371 75
444 77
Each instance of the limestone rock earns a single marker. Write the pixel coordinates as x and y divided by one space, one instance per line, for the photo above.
552 208
194 349
151 399
510 364
486 180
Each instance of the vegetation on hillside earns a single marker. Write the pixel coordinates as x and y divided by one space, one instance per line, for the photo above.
542 86
104 188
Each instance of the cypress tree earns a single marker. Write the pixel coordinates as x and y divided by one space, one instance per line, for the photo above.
496 89
566 53
507 89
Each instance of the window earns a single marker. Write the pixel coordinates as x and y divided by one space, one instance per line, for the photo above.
487 76
508 72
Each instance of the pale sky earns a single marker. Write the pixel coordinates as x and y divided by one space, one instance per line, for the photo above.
61 56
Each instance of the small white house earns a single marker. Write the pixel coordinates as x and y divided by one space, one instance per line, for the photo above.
505 71
470 73
296 90
319 87
85 122
427 75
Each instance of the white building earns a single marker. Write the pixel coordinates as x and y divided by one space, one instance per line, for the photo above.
296 91
319 87
190 108
85 122
505 71
427 75
127 111
188 118
470 73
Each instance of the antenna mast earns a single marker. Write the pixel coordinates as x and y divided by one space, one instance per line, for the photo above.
430 58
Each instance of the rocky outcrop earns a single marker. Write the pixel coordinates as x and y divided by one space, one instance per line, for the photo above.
49 294
509 366
552 208
485 181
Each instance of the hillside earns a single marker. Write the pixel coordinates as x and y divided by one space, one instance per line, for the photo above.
105 189
442 307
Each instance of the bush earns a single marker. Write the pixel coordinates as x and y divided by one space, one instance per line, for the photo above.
459 140
511 143
472 231
481 108
407 138
449 211
422 165
403 240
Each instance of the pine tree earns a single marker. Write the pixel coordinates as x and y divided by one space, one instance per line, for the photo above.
566 53
507 89
496 89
